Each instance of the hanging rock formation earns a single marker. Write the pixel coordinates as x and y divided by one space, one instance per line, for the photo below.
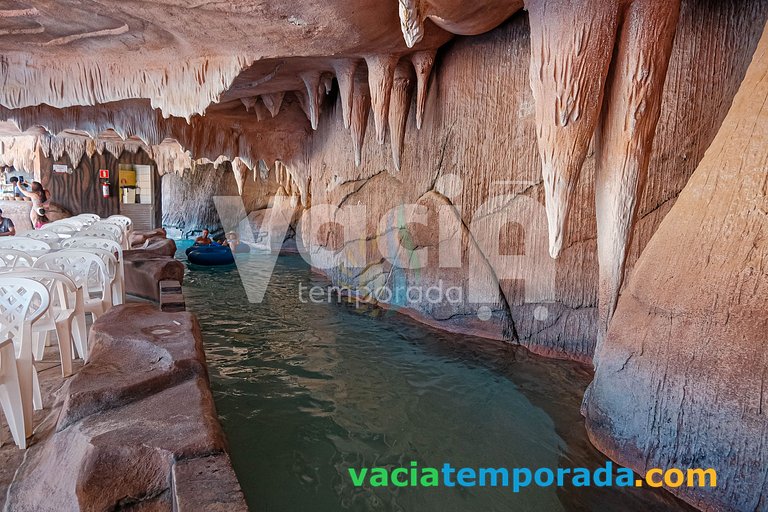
568 130
680 379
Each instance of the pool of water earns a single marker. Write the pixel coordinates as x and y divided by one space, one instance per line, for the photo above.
305 391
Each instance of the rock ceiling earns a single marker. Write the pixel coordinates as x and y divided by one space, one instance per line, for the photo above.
260 70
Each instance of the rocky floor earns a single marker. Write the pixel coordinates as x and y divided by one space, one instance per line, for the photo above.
51 381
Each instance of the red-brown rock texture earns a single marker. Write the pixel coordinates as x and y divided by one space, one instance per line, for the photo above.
521 160
135 428
680 377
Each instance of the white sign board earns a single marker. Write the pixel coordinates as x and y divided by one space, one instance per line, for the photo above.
62 169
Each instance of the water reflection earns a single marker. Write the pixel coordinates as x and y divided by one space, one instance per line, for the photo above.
306 391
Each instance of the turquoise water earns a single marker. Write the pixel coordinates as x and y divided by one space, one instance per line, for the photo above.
305 391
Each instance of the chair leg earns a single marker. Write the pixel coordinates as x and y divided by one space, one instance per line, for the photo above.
26 371
38 344
80 336
37 396
10 396
64 334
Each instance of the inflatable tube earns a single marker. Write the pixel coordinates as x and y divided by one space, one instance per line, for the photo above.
210 255
242 248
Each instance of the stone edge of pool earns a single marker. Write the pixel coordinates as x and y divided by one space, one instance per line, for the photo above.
137 426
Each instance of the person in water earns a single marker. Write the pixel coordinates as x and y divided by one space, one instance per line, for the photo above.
203 239
6 226
37 194
40 218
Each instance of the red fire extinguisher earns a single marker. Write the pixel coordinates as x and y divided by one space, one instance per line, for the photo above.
105 189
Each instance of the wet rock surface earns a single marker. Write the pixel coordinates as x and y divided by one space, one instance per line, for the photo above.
135 429
150 262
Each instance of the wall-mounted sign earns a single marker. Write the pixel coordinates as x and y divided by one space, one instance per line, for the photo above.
62 169
104 173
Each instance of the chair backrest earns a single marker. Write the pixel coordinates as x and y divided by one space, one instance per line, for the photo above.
117 229
125 222
61 287
84 268
99 233
45 235
32 247
65 230
87 242
21 300
13 258
72 221
91 217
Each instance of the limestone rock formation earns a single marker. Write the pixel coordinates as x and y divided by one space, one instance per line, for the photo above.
680 377
132 426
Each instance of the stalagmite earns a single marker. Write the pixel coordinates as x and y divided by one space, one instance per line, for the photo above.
312 82
361 105
571 49
345 75
381 69
402 88
422 63
273 102
633 106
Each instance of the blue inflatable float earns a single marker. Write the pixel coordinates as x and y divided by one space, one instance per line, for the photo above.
213 254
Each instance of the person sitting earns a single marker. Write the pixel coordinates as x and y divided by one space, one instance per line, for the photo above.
203 239
6 226
40 218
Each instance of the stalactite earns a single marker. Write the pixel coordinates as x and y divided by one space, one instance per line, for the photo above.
75 149
182 88
345 75
58 147
18 152
249 103
115 148
273 102
361 105
312 82
400 103
90 147
381 69
44 141
240 171
571 48
633 106
410 22
303 101
422 63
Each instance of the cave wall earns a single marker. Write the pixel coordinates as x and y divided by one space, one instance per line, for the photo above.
680 379
80 191
478 147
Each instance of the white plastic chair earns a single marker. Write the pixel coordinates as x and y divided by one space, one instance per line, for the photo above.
90 217
65 317
125 222
49 237
34 248
112 247
117 229
10 393
88 271
100 233
63 230
22 302
12 258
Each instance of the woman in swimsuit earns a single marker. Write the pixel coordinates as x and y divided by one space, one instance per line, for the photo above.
37 194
